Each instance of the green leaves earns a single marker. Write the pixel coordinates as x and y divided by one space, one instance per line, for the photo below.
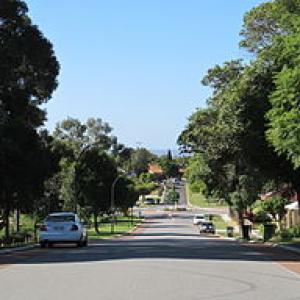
251 123
95 173
28 69
284 116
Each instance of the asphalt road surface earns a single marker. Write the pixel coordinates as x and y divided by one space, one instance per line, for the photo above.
164 259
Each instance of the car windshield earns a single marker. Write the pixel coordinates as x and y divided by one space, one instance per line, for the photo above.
63 218
207 224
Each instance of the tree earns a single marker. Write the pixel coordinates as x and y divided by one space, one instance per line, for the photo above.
28 71
123 157
197 173
284 131
267 21
275 207
169 155
78 134
73 139
28 65
96 171
126 194
249 130
140 160
172 196
170 167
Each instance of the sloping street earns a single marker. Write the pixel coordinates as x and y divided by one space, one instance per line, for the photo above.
165 258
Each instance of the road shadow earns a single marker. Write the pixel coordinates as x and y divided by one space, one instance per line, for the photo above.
185 248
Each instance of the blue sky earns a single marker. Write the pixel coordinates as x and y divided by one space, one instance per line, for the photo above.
137 64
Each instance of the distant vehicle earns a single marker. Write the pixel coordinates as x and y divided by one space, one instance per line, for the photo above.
62 228
198 219
207 227
149 201
176 181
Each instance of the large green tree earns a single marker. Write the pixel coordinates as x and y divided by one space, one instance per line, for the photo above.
230 134
74 138
96 171
140 160
28 69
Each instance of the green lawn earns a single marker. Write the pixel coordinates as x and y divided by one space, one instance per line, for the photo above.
197 199
219 222
122 226
26 225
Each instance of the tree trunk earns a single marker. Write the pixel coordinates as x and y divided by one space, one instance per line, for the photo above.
35 231
96 226
6 218
241 223
298 199
18 219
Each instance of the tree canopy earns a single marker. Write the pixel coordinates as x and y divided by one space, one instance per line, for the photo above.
28 69
249 132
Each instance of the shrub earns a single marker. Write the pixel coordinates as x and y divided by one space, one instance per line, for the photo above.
197 186
290 233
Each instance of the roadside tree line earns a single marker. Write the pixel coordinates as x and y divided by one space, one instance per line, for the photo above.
72 168
246 141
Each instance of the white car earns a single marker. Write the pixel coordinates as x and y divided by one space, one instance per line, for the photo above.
199 218
64 227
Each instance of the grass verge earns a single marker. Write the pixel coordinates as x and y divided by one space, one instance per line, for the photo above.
122 226
198 199
219 222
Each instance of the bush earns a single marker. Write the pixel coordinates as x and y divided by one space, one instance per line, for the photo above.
197 186
290 233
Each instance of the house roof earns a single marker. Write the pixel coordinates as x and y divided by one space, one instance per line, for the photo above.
292 206
286 192
155 169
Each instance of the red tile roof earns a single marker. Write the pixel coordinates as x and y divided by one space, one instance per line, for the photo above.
155 169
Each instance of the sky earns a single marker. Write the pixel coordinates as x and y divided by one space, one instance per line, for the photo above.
137 64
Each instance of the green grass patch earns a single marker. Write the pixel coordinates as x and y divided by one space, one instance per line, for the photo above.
121 227
26 225
219 222
198 199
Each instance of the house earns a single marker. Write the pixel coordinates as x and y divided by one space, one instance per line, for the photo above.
155 170
292 217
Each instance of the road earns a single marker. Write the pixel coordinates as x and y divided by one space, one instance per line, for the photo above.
164 259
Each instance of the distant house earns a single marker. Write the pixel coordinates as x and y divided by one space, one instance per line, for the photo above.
155 169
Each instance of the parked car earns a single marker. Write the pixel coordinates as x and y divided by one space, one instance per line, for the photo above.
176 181
207 227
150 201
198 219
64 227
